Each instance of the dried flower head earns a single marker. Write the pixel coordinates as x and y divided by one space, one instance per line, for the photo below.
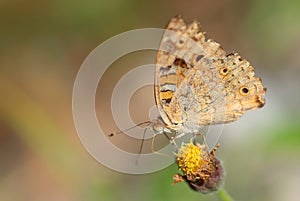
201 169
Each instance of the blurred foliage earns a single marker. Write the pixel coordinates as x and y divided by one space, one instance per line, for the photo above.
275 27
286 139
43 44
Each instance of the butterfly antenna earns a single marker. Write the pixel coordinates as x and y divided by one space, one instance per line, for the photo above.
146 123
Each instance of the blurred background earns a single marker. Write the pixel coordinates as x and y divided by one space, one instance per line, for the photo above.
43 44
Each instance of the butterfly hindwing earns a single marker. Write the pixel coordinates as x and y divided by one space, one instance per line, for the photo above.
196 83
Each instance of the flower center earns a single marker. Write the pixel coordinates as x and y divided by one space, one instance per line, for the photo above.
189 158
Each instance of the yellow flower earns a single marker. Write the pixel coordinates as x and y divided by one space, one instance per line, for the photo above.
189 158
201 169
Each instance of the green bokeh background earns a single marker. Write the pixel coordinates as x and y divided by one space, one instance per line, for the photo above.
43 44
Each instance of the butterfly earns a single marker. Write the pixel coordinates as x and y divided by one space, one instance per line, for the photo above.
198 84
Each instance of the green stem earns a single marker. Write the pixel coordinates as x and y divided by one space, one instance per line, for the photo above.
223 195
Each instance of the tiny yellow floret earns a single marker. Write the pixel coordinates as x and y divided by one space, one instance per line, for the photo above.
189 158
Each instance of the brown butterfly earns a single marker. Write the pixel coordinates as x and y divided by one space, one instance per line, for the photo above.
198 84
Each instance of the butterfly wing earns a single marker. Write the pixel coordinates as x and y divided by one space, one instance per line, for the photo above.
181 48
196 83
